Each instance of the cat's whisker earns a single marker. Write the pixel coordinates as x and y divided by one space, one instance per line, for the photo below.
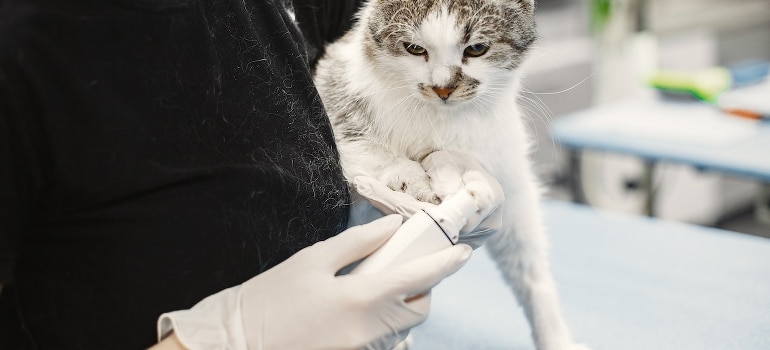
556 148
384 90
499 85
490 97
481 106
431 116
541 106
398 104
547 119
562 91
532 114
529 122
485 103
538 113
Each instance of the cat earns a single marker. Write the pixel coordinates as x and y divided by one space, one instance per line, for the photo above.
416 76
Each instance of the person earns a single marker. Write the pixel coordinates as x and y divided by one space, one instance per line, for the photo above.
157 155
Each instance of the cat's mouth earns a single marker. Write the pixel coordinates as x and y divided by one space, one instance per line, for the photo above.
445 95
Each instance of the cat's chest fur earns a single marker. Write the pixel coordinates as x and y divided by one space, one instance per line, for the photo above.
486 134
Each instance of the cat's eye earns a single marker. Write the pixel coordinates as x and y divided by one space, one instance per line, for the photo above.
416 50
476 50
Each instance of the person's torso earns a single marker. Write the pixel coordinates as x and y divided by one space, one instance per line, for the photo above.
179 153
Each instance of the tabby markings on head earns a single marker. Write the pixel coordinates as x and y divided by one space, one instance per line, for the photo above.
448 47
505 23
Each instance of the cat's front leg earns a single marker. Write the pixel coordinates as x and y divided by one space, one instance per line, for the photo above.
521 252
361 157
408 176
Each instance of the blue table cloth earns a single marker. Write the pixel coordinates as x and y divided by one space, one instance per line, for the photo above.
625 283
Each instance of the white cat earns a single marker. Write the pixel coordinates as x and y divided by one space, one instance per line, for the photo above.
416 76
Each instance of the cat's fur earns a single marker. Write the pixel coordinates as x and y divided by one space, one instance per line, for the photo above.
387 116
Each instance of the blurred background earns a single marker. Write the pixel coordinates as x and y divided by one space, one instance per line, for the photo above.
595 53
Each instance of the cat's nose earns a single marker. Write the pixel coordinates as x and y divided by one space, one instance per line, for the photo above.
443 92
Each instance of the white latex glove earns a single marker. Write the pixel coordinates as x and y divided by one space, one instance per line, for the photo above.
449 172
302 304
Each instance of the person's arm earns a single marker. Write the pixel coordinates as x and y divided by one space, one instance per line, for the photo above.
171 342
277 310
323 21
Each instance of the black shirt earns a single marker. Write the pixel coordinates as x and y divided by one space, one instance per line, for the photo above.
151 153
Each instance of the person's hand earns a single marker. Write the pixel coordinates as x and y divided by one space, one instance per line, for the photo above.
449 172
302 303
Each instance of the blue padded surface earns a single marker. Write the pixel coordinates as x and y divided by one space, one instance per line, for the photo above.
682 132
625 283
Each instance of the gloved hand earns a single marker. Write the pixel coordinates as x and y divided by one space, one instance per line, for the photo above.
449 171
302 304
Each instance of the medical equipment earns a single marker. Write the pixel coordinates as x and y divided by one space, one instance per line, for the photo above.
750 102
709 84
427 231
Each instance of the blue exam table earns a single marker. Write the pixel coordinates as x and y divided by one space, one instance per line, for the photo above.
625 283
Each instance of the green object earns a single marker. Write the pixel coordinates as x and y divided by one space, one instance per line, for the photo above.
706 84
600 14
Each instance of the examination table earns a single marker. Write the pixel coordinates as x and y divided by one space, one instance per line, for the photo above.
625 283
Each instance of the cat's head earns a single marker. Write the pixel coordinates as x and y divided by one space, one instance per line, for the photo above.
448 51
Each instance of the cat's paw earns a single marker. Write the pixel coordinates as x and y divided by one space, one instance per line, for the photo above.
409 177
484 189
421 191
451 171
